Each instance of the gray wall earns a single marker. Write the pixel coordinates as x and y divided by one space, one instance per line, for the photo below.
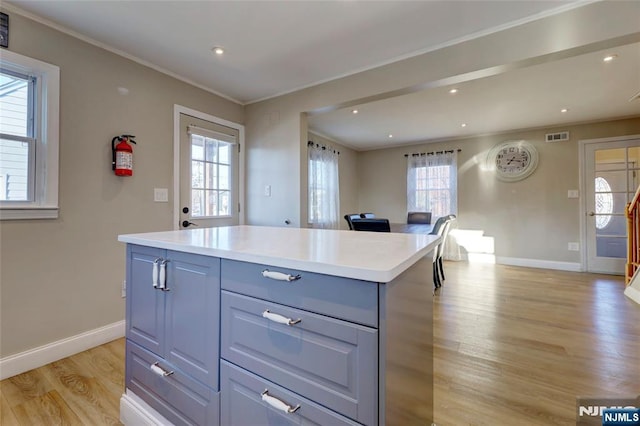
530 219
62 277
277 128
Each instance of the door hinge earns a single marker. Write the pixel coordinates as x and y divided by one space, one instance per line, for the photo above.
238 148
238 207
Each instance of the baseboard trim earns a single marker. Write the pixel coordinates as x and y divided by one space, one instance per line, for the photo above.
134 411
633 294
542 264
43 355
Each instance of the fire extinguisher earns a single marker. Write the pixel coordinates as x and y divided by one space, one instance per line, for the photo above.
122 155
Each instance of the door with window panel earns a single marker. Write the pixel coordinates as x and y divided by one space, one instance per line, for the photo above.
208 173
611 180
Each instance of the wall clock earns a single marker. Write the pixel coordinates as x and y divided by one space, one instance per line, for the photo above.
513 160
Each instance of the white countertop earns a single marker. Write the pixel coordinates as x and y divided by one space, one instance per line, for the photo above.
369 256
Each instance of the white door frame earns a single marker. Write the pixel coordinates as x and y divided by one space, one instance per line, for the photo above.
179 109
582 144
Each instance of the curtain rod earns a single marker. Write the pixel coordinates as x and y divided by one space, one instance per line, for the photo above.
420 154
311 143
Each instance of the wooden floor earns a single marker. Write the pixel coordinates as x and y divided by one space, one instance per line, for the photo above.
514 346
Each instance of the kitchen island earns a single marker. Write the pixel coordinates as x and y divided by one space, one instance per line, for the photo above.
263 325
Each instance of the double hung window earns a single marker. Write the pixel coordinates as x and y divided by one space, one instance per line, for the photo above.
29 102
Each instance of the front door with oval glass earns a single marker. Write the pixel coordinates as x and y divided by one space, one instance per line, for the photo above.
208 173
612 175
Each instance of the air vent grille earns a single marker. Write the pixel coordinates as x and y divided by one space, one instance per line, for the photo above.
557 137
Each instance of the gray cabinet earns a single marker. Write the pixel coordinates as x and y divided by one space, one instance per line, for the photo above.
320 354
172 328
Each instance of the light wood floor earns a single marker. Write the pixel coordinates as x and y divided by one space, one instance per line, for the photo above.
514 346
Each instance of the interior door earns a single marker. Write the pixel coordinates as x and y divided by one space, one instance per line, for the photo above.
612 175
209 173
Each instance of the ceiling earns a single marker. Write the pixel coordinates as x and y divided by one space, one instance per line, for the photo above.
276 47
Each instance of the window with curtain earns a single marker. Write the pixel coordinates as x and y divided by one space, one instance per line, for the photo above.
432 183
324 189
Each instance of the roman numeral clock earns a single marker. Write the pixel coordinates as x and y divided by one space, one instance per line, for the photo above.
512 161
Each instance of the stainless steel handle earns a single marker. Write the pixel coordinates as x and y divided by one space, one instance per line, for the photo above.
279 318
159 370
154 272
279 276
162 281
278 404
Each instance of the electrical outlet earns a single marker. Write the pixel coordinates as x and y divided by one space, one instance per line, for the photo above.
267 191
573 247
124 288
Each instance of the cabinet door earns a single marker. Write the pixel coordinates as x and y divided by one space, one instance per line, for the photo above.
145 304
192 317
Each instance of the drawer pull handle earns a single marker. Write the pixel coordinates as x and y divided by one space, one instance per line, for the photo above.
277 404
162 282
279 318
159 370
154 272
279 276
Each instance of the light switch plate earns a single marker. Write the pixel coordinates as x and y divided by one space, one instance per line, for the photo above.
573 193
573 247
161 195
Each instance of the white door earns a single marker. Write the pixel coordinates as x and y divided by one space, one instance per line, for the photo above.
209 173
611 177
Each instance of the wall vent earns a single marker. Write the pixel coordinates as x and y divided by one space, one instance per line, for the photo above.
557 137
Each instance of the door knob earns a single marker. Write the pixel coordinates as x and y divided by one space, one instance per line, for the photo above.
592 214
186 224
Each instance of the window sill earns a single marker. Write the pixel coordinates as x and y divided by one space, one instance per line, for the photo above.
29 213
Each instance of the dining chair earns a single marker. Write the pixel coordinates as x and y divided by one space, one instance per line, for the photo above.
367 215
349 218
440 228
373 225
419 217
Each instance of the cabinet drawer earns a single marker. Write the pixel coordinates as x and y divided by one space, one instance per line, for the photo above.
344 298
180 399
242 403
326 360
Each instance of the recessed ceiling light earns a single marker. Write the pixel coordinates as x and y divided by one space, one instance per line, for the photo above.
610 58
218 50
564 110
354 111
463 125
390 135
453 91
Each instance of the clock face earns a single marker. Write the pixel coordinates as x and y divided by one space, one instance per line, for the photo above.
513 161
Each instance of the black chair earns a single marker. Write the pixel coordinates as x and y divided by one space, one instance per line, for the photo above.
367 215
350 217
441 228
372 225
419 217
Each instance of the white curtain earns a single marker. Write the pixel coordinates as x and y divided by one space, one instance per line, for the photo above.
432 183
324 188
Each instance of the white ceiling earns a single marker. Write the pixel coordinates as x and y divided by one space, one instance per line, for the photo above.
276 47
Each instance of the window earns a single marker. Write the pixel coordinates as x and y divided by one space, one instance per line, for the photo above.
324 191
210 176
604 202
29 102
432 183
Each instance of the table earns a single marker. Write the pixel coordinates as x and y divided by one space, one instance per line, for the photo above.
411 228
